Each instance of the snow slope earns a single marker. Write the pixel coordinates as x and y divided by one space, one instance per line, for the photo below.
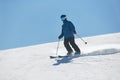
100 60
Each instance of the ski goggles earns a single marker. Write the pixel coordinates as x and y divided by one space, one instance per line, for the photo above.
63 18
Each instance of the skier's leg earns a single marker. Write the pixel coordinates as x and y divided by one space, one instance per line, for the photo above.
73 44
67 46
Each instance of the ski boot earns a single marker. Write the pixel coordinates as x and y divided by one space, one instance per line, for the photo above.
69 53
77 53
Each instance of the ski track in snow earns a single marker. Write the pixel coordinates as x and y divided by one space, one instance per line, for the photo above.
100 60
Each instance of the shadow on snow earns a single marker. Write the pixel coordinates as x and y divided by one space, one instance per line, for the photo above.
94 53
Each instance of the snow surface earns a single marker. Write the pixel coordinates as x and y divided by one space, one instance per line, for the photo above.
100 60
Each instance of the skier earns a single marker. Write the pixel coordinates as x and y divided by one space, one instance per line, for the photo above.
68 31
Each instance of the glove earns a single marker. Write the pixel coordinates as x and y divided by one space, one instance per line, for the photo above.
75 32
59 37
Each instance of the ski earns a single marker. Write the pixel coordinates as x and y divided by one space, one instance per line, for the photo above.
52 57
59 56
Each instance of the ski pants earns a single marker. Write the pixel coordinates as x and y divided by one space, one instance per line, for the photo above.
71 41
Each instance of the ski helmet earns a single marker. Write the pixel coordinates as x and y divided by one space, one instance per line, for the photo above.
63 17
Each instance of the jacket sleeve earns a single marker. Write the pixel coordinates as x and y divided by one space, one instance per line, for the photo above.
72 27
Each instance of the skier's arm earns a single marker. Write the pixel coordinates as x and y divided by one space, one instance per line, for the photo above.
72 27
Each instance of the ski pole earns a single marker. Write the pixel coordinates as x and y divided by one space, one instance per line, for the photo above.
81 39
57 47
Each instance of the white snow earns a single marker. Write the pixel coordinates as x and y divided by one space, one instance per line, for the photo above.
100 60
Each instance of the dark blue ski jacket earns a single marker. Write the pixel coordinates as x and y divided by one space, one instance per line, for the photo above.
68 29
